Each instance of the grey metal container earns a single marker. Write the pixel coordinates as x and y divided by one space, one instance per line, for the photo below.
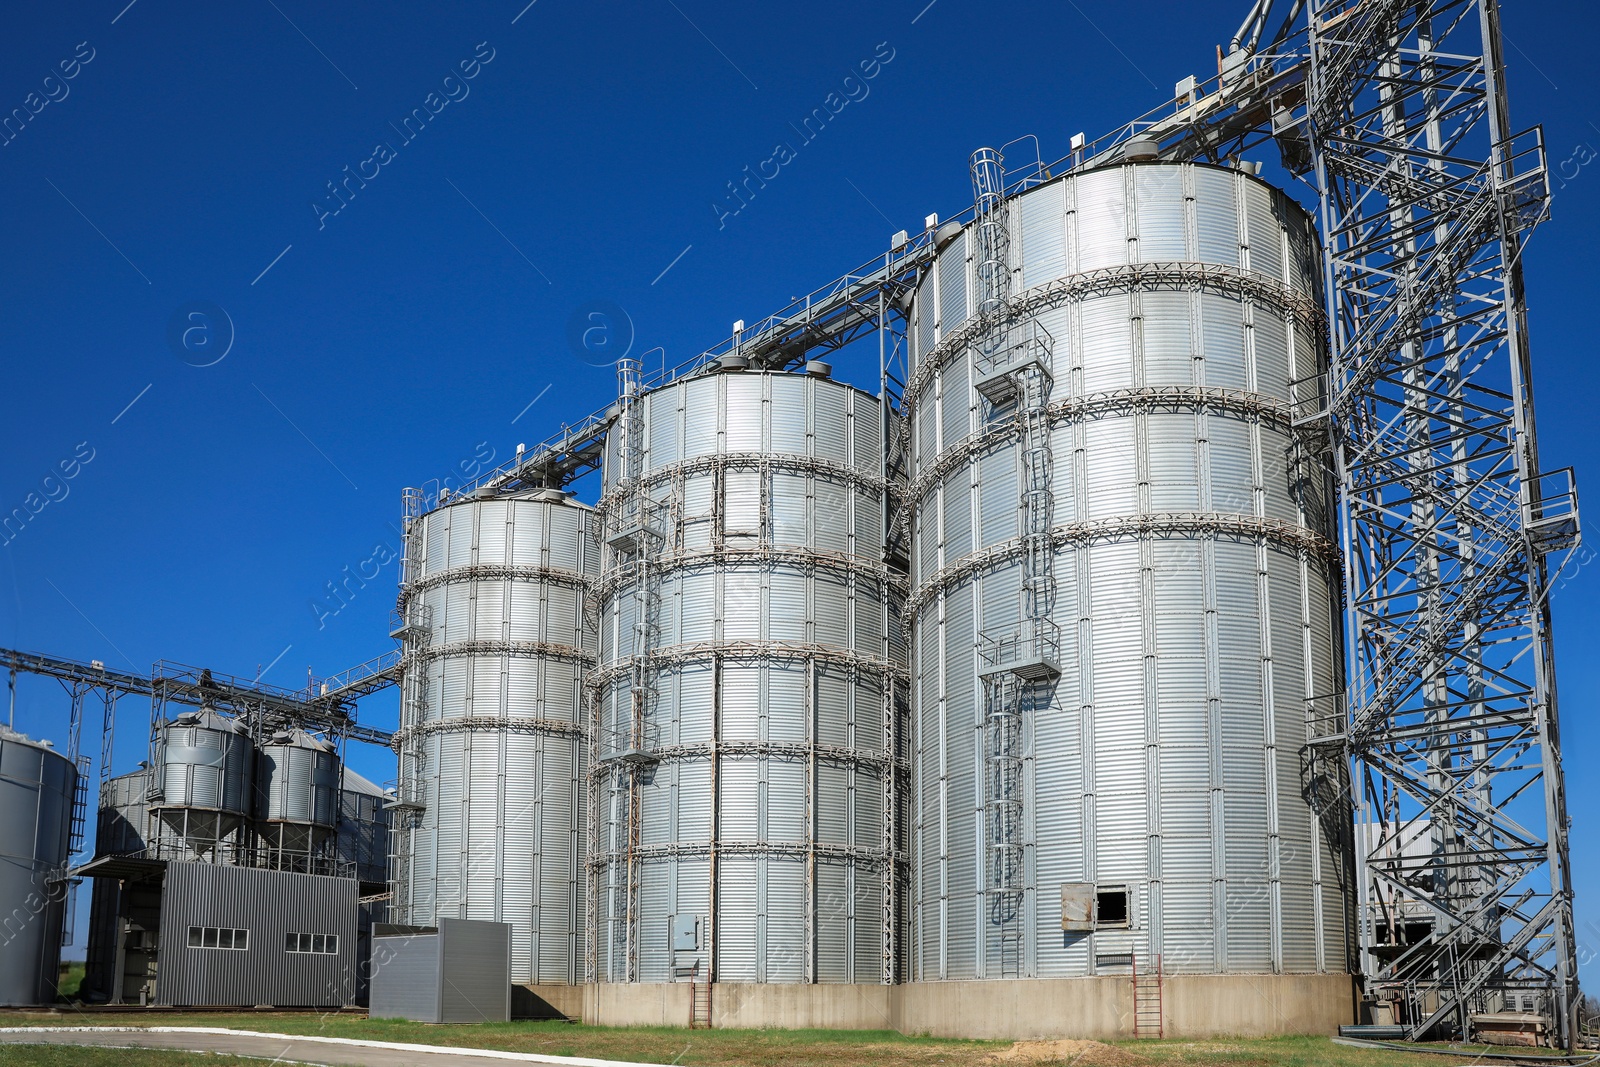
297 800
758 774
490 801
363 836
1193 565
123 826
207 765
37 786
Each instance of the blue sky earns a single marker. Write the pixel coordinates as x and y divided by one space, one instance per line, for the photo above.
187 161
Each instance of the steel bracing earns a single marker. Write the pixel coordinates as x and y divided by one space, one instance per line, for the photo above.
1450 728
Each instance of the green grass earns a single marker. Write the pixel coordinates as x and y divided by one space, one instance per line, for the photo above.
746 1048
71 979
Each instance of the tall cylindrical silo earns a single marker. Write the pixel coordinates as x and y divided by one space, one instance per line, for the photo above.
37 786
205 793
1113 443
747 703
297 801
491 745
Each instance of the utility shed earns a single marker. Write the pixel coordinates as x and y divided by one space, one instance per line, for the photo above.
456 972
245 936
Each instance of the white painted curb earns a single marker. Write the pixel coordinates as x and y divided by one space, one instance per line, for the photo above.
396 1046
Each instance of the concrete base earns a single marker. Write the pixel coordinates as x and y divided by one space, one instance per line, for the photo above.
1195 1006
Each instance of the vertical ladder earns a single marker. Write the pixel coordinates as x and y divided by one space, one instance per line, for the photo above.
80 808
1147 1013
411 623
638 538
699 1000
1011 362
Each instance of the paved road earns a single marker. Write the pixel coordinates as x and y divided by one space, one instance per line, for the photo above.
287 1048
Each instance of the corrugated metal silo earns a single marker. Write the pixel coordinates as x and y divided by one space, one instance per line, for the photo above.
37 785
363 837
491 738
206 796
297 799
1190 570
740 792
123 826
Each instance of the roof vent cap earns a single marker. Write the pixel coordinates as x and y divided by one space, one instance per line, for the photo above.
1141 150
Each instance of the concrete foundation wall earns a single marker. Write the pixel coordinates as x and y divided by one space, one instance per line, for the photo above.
1195 1006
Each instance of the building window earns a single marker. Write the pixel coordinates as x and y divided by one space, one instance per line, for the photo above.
321 944
219 937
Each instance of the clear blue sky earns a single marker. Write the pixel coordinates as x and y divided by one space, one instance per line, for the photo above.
405 333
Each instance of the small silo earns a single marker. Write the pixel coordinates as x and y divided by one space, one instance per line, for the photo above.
205 797
37 786
123 827
746 703
1123 584
489 820
363 836
297 801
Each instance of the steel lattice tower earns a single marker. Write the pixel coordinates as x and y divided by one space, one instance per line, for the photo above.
1451 731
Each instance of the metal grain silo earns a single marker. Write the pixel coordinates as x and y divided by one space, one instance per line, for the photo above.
745 704
297 799
123 826
37 786
363 835
206 796
1122 599
492 756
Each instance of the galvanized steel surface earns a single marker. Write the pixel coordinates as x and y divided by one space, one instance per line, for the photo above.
207 764
491 726
761 815
297 780
363 837
36 794
1194 585
124 823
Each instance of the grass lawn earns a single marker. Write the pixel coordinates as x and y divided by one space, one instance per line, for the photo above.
744 1048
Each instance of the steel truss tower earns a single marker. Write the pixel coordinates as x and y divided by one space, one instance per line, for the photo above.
1450 728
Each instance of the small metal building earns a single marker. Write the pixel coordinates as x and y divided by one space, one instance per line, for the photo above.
456 972
243 936
142 895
